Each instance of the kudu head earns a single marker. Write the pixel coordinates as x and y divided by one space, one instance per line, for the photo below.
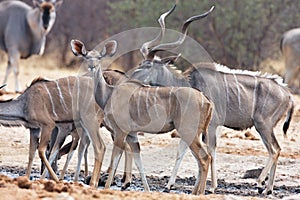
93 57
47 9
152 66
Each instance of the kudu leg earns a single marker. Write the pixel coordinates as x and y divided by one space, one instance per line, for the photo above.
81 151
75 140
45 137
61 135
203 160
274 149
135 147
213 131
86 166
118 148
181 150
33 143
99 150
127 175
13 64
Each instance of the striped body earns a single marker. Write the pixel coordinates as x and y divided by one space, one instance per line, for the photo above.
243 96
137 108
46 104
242 99
131 107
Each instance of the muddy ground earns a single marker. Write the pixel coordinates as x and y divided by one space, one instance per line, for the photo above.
237 152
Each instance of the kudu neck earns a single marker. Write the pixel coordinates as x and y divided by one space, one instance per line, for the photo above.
102 89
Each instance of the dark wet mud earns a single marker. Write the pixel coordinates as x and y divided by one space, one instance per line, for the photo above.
182 185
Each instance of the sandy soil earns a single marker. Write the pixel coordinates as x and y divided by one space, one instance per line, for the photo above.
236 153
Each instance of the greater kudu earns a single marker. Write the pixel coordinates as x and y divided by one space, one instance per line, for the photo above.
290 48
23 31
242 99
131 107
59 102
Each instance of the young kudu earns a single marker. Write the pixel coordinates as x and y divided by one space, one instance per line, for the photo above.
242 99
23 31
112 77
131 107
59 102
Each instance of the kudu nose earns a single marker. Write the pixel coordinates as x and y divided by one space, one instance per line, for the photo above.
45 27
92 68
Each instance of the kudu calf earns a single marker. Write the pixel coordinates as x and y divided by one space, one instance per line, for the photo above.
46 104
131 107
242 99
23 30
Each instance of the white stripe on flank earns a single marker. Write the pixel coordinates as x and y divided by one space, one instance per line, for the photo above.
69 89
147 103
266 96
202 99
170 93
227 91
238 89
61 97
254 96
51 100
138 103
155 99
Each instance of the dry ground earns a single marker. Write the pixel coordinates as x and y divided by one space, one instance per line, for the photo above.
236 153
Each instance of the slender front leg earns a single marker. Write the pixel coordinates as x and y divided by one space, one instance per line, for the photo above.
33 143
84 141
118 148
135 147
99 148
127 175
13 64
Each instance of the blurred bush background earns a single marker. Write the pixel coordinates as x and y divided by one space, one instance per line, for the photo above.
242 34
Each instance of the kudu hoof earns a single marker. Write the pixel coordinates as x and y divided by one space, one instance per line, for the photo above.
124 187
167 190
260 190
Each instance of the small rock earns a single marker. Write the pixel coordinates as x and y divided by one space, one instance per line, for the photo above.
23 182
49 186
252 173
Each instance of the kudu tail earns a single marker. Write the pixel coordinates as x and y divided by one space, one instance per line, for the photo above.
289 116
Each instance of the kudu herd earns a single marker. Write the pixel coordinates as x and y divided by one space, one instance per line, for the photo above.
23 31
151 98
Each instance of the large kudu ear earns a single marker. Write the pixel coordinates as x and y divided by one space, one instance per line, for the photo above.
36 3
57 3
109 48
78 48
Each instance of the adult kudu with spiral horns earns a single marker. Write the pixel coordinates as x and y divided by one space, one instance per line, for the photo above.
242 99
